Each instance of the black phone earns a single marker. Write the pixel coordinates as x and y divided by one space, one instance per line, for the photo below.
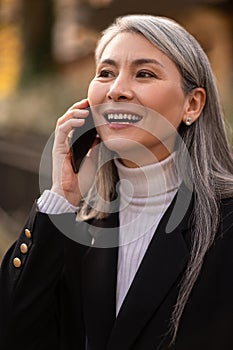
81 141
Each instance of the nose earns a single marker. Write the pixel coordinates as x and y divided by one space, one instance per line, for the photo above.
120 90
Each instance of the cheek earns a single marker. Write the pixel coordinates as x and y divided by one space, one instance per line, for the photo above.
169 105
95 93
90 93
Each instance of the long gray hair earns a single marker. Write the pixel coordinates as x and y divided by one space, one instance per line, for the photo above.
206 141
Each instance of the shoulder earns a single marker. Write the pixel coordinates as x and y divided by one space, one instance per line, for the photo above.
226 216
226 208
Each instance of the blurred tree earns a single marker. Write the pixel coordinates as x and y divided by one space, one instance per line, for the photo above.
37 23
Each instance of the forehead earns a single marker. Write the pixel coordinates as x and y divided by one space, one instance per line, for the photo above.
128 48
127 40
131 46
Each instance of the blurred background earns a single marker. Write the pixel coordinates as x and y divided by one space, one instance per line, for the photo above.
46 64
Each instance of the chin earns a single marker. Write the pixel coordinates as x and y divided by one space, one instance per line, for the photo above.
128 149
119 144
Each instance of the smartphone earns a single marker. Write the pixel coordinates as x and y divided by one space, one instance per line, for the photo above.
81 141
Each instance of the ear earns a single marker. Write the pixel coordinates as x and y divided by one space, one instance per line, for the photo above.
194 104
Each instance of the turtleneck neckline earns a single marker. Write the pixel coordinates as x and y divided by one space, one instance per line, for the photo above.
149 180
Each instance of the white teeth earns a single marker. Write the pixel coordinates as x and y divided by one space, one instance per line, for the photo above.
121 116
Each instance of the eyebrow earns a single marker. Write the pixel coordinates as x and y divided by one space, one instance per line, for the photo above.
137 62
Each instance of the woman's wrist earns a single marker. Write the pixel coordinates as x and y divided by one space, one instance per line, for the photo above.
73 198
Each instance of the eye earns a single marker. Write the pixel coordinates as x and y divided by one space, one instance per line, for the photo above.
104 73
146 74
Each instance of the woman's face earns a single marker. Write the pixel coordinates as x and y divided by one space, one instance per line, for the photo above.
140 99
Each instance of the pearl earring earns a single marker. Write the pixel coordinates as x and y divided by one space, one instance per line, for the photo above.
188 121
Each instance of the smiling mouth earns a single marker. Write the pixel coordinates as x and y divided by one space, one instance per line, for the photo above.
122 118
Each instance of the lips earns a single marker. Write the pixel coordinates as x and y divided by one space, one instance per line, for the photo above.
122 118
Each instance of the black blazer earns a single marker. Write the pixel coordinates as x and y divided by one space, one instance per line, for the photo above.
63 294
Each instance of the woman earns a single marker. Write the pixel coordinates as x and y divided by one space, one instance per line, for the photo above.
150 259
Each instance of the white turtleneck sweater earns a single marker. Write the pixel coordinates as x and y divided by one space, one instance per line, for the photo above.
145 194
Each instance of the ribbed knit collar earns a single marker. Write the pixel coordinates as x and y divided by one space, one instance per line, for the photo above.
150 180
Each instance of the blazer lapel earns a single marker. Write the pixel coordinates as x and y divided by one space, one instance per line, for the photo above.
161 266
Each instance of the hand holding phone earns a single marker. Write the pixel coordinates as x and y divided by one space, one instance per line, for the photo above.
81 141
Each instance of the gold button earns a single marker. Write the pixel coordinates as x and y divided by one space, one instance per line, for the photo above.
24 248
28 233
16 262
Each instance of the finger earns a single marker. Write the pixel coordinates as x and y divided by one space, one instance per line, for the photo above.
73 114
80 104
63 130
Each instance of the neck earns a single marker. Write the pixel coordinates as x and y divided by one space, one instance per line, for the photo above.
136 160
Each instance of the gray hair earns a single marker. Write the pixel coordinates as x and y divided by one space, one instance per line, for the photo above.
206 141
